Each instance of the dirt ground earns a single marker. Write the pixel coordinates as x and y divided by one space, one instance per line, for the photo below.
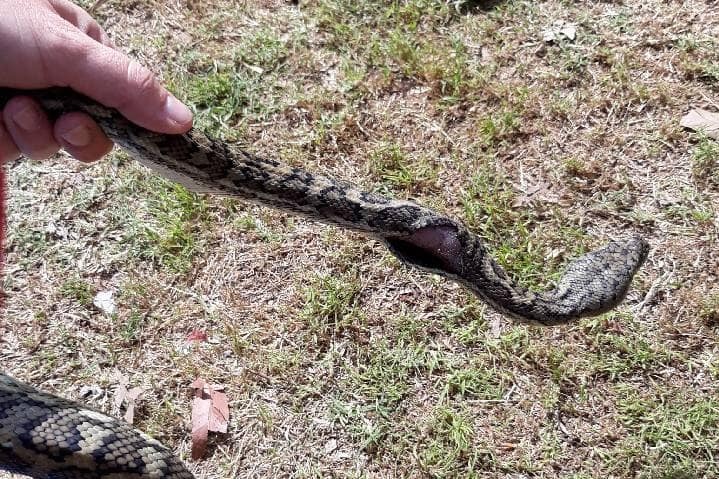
548 127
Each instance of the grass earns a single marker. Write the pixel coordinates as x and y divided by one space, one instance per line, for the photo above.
338 361
170 235
393 168
709 311
678 433
328 307
705 159
79 290
489 206
450 452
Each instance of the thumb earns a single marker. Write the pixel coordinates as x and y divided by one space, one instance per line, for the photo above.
113 79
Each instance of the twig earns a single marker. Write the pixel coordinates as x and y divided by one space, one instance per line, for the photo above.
653 289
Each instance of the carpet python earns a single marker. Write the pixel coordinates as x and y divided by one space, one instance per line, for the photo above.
44 436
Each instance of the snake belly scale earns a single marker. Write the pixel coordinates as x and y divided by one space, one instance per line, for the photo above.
42 435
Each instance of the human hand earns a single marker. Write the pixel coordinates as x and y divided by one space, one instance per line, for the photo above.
46 43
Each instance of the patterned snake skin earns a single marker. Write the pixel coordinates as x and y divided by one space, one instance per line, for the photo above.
44 436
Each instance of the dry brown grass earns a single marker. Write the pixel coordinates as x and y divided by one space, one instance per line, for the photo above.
337 361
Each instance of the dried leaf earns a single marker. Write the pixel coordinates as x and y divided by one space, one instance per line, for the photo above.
122 382
254 68
200 426
540 192
210 412
197 336
105 302
126 396
702 120
558 30
331 446
220 416
131 400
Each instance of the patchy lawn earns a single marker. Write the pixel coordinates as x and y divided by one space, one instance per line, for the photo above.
338 361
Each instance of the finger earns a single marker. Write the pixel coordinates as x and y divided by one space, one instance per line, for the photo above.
29 128
82 20
81 137
8 150
115 80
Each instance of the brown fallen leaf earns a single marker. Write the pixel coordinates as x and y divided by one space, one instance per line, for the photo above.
210 412
197 336
130 402
126 396
540 192
702 120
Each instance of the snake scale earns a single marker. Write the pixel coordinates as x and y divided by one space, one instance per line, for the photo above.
44 436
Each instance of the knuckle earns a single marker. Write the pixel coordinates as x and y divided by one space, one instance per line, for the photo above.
94 30
16 104
72 120
142 88
142 80
61 39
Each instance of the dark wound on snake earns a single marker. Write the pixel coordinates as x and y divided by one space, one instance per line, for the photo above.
44 436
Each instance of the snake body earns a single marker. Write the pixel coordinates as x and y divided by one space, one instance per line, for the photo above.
45 436
418 236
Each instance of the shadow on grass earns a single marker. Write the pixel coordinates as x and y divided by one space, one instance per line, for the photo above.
472 6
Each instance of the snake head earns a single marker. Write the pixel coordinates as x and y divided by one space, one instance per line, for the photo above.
592 284
598 281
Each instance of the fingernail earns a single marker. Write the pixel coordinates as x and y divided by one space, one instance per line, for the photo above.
177 111
29 118
78 136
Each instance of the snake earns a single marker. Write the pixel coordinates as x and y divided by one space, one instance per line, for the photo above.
45 436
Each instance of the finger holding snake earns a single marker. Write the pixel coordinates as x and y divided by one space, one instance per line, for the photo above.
47 43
